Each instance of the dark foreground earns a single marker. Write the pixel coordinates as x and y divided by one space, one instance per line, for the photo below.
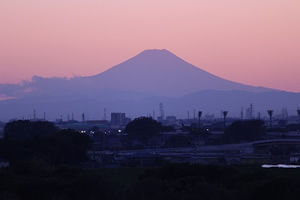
36 180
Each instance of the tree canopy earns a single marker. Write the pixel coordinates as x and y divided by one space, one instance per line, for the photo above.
143 128
22 130
26 140
249 130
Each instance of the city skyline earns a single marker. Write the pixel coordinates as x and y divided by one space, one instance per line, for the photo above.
250 42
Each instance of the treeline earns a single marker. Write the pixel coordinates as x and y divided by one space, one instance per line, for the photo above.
147 131
36 180
25 140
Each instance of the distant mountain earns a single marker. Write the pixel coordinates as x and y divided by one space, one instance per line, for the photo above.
152 72
136 87
159 72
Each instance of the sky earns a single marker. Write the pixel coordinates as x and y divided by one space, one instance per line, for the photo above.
255 42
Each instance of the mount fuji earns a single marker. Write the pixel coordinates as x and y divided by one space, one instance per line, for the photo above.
136 87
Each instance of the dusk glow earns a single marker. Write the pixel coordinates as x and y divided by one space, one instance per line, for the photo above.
253 42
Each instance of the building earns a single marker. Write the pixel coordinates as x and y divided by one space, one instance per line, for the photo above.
118 119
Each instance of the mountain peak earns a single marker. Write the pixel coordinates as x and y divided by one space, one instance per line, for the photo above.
160 72
156 58
156 53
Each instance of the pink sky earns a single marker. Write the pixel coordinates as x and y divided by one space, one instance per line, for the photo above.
255 42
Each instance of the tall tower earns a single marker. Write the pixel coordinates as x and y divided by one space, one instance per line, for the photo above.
251 111
34 114
270 113
224 113
298 112
199 118
83 118
242 113
162 112
285 114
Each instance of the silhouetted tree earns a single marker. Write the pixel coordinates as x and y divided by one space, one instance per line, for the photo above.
143 128
26 140
67 147
244 131
23 130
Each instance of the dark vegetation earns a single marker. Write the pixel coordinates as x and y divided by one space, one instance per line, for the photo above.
37 180
244 131
45 163
25 140
143 128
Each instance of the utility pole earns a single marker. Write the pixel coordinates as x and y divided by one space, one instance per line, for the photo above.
298 112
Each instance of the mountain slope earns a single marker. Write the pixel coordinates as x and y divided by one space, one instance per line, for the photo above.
152 72
160 72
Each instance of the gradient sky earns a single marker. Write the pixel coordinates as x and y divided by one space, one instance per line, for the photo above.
255 42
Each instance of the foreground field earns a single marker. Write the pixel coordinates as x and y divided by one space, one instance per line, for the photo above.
36 180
